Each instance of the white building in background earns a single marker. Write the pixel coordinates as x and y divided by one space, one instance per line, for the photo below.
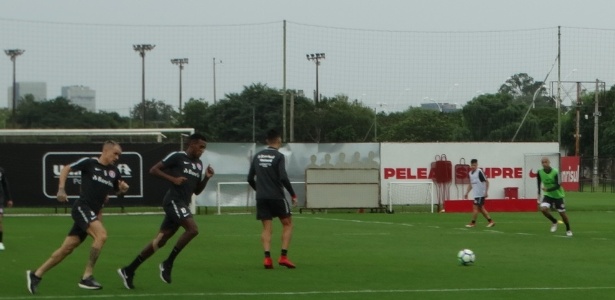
36 89
440 106
80 95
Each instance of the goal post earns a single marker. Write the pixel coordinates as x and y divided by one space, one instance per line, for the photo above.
419 194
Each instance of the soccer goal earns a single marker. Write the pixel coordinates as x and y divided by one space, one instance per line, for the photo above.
416 194
239 197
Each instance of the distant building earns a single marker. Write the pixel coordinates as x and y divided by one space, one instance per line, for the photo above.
37 89
444 107
80 95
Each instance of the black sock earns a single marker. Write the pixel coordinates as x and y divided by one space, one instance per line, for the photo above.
135 264
473 221
1 236
567 226
489 220
267 254
553 220
284 252
172 256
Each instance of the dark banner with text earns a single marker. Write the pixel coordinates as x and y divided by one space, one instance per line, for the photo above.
33 170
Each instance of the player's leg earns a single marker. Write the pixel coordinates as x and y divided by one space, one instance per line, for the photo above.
287 232
281 209
475 210
263 214
1 228
99 234
167 229
266 234
485 213
545 207
561 209
68 245
191 230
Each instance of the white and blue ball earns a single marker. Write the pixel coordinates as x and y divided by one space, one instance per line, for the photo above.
466 257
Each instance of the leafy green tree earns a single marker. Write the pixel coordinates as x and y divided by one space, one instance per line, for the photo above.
520 85
231 119
157 114
420 125
194 115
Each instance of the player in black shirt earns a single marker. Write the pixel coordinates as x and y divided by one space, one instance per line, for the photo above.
5 197
269 169
99 176
185 171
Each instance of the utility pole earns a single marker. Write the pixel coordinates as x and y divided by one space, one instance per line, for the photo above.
13 53
577 135
596 178
214 61
141 49
180 62
316 57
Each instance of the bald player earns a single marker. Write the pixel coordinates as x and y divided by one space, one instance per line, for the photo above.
99 176
553 194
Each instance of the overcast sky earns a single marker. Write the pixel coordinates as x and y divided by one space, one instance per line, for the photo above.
440 15
386 15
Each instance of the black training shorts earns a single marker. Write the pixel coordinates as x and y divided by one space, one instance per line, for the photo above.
82 215
174 213
267 209
479 201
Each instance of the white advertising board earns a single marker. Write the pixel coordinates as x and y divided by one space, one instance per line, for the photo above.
505 164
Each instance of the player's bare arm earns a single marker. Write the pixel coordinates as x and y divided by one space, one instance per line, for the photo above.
156 170
486 188
62 197
209 172
468 191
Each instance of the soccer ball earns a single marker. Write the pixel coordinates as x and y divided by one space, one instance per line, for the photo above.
466 257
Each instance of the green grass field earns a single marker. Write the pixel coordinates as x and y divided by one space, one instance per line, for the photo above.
338 256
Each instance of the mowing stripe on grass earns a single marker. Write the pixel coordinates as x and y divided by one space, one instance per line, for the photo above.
248 294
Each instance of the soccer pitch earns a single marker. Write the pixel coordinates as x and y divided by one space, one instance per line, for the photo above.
339 255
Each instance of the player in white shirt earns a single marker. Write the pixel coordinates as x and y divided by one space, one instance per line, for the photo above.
479 186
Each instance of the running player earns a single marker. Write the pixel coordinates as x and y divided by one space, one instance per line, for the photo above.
185 171
269 168
553 194
98 178
5 198
480 187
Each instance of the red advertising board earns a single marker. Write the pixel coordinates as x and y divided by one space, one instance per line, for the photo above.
569 172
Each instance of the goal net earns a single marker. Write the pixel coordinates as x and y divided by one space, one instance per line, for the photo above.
239 197
414 195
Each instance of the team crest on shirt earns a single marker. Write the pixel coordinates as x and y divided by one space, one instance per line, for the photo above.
198 165
112 174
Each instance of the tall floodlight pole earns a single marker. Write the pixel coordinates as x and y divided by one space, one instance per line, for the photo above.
141 49
316 57
180 62
13 53
218 62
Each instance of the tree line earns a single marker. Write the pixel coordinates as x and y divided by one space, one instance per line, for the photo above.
242 117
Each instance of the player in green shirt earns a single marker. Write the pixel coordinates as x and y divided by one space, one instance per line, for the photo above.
553 194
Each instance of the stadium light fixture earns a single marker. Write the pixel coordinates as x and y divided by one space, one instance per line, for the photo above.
142 49
180 62
13 53
316 59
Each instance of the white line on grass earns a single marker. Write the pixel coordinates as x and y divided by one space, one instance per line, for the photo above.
524 233
493 231
259 294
